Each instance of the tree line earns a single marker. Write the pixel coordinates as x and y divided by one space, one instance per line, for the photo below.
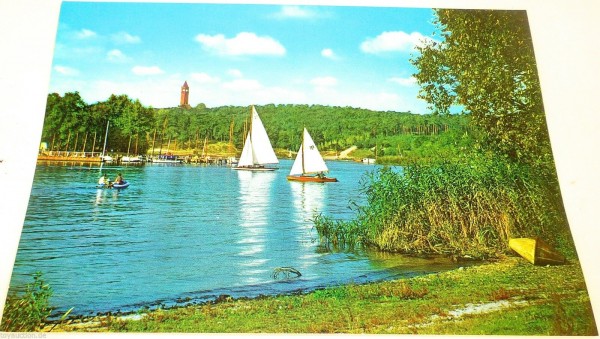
71 124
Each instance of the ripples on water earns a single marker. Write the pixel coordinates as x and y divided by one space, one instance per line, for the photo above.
188 233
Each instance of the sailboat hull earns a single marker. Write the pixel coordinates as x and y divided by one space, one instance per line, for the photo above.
254 168
536 251
306 178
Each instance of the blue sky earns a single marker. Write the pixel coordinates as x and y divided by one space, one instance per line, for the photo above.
240 54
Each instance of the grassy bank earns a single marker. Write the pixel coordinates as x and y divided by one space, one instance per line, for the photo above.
506 297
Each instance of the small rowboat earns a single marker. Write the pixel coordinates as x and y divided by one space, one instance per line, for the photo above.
124 184
536 251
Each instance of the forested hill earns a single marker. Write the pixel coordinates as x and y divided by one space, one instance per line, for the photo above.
71 124
332 128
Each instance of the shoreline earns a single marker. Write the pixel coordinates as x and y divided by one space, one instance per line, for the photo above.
229 295
508 296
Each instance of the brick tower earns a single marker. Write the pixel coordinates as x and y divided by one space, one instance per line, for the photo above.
185 96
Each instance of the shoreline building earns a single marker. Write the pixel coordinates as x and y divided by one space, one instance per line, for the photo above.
185 96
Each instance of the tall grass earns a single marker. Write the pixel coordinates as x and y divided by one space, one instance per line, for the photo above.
466 208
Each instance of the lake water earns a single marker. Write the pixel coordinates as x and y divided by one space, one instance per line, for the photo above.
189 233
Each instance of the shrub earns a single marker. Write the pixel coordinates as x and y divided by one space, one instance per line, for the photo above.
27 311
459 208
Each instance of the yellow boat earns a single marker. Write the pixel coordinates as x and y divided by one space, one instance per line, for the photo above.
536 251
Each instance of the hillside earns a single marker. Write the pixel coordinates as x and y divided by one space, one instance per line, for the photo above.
72 125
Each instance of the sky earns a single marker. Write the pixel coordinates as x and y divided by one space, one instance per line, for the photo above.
241 54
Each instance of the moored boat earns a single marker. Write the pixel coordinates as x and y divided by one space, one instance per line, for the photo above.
166 159
536 251
309 165
128 159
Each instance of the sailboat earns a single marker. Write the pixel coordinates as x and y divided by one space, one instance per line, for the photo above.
104 182
257 151
309 161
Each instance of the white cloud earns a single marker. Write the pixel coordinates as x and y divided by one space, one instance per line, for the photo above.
243 85
85 34
236 73
203 78
295 12
244 43
329 54
116 55
393 42
327 81
126 38
64 70
410 81
147 70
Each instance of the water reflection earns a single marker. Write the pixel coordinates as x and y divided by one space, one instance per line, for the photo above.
254 202
308 200
102 195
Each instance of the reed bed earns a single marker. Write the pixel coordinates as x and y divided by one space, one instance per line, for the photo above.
466 209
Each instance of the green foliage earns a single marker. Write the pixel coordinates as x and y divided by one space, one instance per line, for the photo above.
459 208
485 64
72 125
505 187
334 128
27 311
135 128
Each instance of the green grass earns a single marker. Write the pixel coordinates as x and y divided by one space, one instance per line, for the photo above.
557 304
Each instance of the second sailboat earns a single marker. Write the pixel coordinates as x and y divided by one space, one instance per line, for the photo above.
308 162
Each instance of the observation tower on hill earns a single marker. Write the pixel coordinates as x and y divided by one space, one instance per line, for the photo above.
185 96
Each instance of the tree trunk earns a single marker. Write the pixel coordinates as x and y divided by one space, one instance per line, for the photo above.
94 145
84 142
76 142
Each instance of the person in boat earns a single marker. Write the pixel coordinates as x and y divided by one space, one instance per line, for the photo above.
103 181
119 179
321 175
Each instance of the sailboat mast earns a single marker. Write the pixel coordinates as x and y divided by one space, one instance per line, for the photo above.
302 147
251 117
104 147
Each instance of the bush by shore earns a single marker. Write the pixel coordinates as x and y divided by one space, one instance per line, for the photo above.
468 208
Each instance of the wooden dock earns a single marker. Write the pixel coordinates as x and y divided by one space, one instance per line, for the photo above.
45 157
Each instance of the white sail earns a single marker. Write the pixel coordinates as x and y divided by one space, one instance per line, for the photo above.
246 159
261 145
297 165
257 147
309 159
